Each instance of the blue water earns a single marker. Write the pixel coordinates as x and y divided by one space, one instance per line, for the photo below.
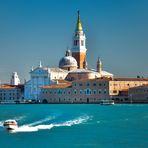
75 126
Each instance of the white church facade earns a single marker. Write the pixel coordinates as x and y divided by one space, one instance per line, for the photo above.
41 76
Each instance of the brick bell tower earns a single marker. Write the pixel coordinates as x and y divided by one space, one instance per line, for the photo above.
79 46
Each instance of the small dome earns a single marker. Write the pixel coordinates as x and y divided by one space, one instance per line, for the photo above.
68 62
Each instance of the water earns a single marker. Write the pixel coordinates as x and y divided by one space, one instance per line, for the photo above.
75 126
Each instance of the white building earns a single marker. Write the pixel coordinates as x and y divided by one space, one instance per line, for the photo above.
42 76
14 79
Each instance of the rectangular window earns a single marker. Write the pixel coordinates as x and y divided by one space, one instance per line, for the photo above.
99 91
82 43
94 84
94 91
76 42
87 84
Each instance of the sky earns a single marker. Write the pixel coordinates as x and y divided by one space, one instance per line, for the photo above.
41 30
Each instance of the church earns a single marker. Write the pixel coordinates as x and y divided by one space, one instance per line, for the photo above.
73 66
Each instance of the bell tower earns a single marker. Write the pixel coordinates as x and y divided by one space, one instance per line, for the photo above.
14 79
79 44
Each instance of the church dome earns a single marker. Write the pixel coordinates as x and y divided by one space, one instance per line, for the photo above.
68 61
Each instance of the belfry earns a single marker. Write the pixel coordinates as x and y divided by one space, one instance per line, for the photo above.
79 44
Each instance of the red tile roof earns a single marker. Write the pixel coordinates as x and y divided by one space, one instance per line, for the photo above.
60 85
7 86
130 79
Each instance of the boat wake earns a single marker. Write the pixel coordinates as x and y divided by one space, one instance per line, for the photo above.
40 121
1 123
31 128
19 118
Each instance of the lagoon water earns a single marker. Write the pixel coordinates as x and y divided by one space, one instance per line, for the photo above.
75 126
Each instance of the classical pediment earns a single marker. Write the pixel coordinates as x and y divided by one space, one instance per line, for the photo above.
39 71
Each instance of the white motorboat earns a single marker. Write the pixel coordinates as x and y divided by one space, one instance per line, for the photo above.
107 102
10 124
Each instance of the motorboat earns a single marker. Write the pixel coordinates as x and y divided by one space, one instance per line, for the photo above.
10 124
107 102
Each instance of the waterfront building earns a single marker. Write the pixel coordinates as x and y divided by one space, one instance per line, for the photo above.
14 79
119 88
11 93
138 94
91 90
41 76
80 91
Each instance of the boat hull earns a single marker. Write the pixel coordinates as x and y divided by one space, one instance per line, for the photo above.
10 125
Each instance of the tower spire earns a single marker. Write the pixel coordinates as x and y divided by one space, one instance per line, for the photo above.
40 64
79 24
99 65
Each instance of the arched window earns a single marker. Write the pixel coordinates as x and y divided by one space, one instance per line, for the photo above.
94 91
88 91
75 91
81 91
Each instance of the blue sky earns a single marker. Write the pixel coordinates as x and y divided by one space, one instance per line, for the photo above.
34 30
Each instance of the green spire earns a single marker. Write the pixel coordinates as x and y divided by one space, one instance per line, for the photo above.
79 24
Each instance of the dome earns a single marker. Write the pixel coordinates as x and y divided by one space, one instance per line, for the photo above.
68 62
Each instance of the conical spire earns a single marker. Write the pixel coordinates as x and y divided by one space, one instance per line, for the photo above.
79 24
99 65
